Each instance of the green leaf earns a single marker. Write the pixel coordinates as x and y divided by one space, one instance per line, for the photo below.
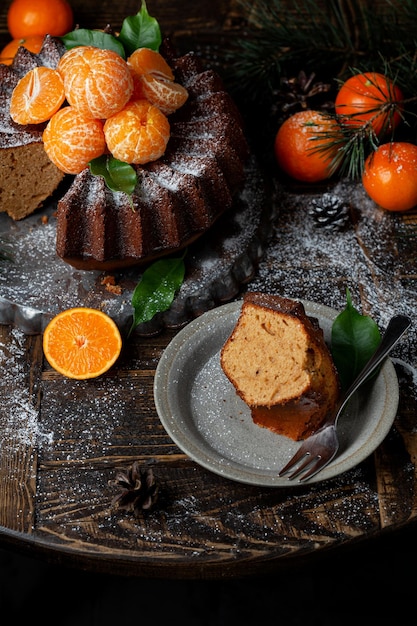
157 288
140 31
119 176
95 38
354 339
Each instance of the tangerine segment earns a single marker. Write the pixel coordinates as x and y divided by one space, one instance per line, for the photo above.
98 83
137 134
37 96
164 94
147 61
33 44
72 140
82 343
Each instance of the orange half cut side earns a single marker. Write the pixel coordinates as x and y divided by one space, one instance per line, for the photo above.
82 343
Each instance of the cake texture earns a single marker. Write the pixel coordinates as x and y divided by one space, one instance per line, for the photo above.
27 176
278 362
177 197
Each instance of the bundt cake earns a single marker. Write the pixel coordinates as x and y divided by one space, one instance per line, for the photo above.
177 198
278 362
27 176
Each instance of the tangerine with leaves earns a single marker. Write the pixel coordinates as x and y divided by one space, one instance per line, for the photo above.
37 96
33 44
97 82
390 176
370 98
82 343
305 146
39 17
72 140
137 134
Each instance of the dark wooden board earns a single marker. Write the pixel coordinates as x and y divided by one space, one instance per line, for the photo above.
62 441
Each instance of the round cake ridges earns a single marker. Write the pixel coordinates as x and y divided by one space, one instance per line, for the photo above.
207 143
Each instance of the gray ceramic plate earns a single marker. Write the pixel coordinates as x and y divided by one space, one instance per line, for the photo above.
203 415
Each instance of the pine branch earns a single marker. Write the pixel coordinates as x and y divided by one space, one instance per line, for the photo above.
328 40
324 40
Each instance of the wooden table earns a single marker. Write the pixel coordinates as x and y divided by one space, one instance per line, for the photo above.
62 441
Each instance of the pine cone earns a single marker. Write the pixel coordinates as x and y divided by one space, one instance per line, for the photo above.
329 211
300 93
139 489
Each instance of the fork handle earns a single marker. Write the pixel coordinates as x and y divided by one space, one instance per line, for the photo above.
395 330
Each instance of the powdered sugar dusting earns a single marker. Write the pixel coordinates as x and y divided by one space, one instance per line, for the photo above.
19 418
308 262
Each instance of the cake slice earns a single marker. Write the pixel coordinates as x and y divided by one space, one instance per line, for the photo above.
27 176
278 362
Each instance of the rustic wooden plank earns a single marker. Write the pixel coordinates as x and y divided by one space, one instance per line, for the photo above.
63 440
396 459
20 433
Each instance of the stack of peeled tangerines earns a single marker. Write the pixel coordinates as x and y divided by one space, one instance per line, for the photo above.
307 144
110 105
95 102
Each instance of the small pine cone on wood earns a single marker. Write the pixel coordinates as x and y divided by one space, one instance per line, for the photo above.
139 489
329 211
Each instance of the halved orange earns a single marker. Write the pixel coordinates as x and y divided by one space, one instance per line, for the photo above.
82 343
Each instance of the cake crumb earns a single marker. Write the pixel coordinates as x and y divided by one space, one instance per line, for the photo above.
110 284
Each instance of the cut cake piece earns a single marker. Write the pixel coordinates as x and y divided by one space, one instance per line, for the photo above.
278 362
27 176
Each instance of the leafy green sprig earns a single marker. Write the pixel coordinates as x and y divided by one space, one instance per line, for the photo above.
354 338
156 290
138 31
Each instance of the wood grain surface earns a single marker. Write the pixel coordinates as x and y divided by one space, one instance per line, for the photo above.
62 441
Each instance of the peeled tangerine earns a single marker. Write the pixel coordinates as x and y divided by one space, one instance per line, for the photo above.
137 134
98 83
153 79
72 140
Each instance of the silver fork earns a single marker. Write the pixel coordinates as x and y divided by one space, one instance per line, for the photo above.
320 448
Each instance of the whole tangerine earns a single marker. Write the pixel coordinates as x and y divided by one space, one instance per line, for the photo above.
370 98
32 43
390 176
303 146
39 17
